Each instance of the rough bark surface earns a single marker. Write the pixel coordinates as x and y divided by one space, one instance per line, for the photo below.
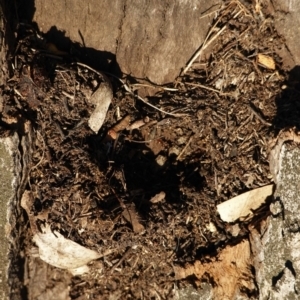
4 32
8 177
7 188
151 39
287 23
278 255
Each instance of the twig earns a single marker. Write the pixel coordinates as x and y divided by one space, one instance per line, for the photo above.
121 260
68 95
202 233
127 88
91 69
139 142
151 105
155 87
210 13
258 115
185 147
242 7
204 46
206 43
139 123
43 155
19 94
207 88
58 127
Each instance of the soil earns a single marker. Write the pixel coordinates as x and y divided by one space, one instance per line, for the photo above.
145 195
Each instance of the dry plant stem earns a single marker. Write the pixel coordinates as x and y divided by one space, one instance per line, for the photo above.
122 124
155 86
206 43
127 88
122 204
67 95
162 111
19 94
204 46
139 142
252 109
210 13
185 147
202 234
107 252
43 154
207 88
135 125
121 260
242 7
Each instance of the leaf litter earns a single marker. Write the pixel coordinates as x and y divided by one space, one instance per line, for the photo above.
142 185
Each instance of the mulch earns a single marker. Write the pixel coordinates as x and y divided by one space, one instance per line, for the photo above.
149 193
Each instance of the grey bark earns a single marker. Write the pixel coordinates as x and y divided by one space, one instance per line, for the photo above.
277 259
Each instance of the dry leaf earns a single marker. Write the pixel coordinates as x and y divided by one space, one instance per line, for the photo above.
101 98
242 206
54 248
230 271
266 61
63 253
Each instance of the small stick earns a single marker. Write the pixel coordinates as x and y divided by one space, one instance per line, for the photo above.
165 112
68 95
136 124
121 260
130 91
155 86
118 114
58 127
91 69
204 46
43 155
258 115
185 147
210 13
139 142
122 124
113 132
207 88
19 94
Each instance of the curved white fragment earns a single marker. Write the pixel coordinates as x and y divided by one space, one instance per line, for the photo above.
101 98
242 206
63 253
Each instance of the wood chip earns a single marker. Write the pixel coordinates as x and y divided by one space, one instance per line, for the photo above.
158 197
131 216
233 262
266 61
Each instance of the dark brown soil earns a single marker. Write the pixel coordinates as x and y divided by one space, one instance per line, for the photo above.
98 191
